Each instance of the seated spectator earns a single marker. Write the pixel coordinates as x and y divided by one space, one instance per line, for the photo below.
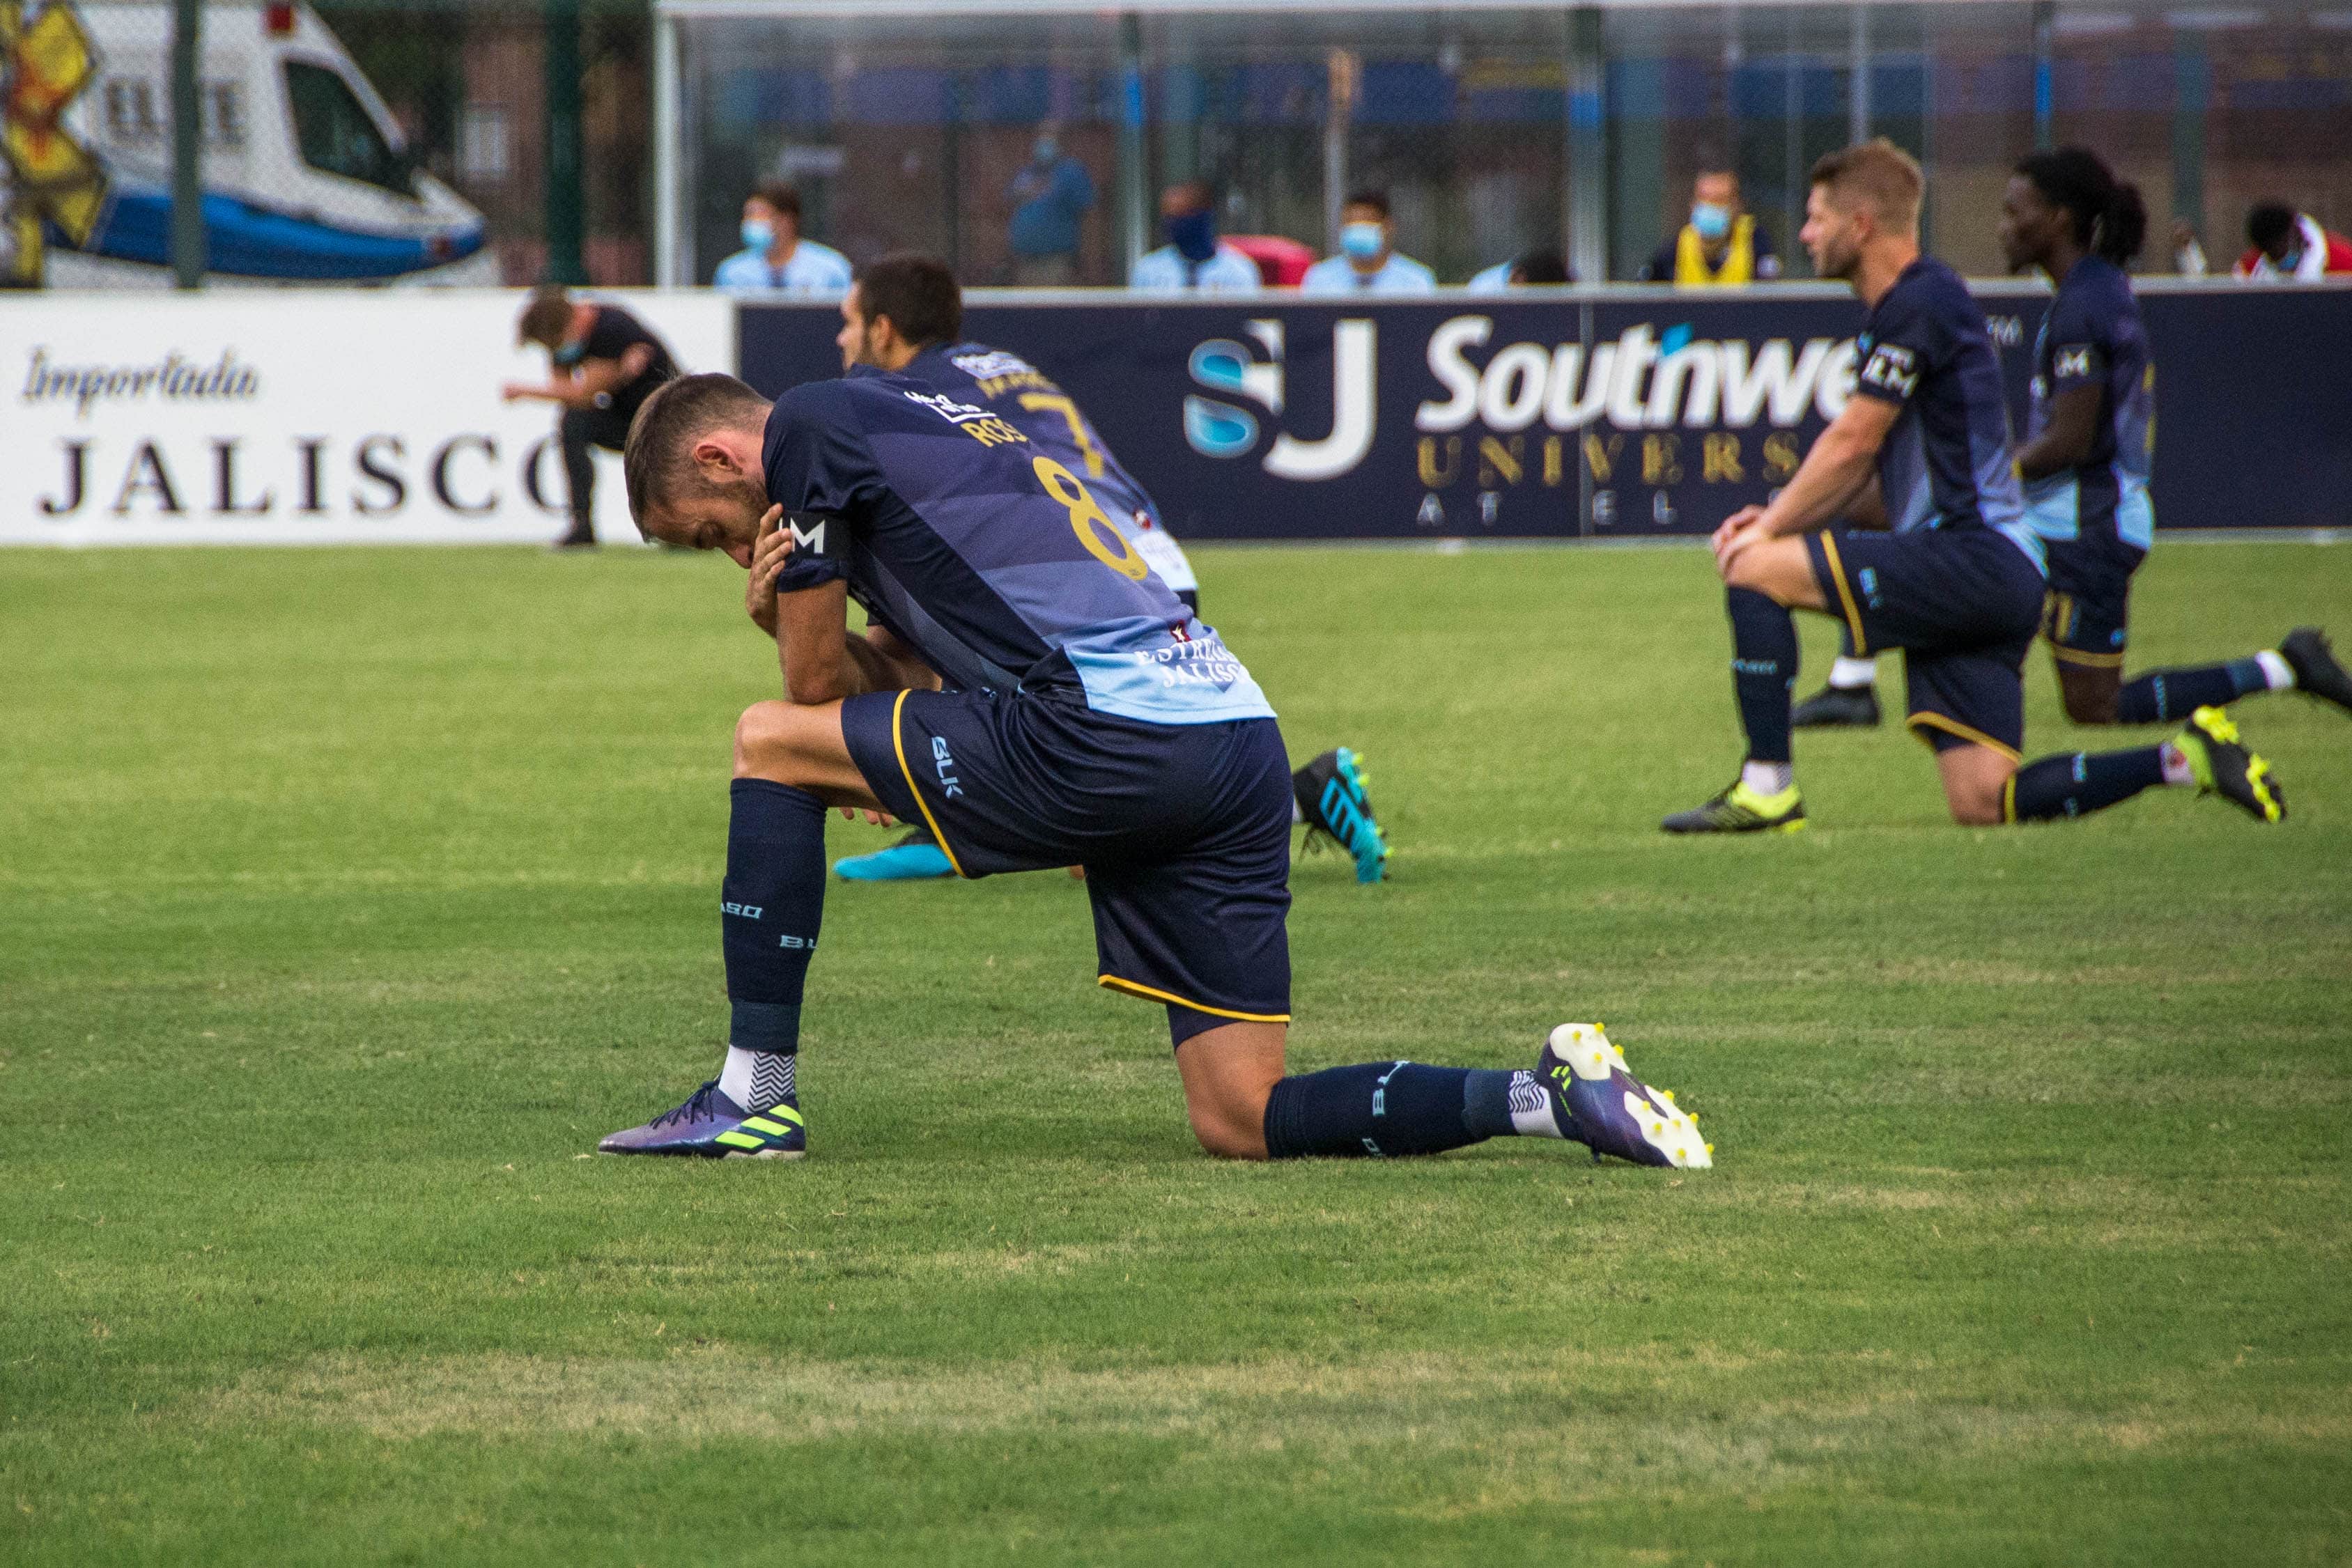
1722 243
1366 263
2284 244
1193 257
774 257
1535 268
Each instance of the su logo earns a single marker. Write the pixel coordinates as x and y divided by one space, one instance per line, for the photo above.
1215 427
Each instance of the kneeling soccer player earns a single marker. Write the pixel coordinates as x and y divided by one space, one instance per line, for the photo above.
1958 585
2086 463
904 313
1093 720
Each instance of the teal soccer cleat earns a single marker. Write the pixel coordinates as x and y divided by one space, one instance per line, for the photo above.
914 858
1331 801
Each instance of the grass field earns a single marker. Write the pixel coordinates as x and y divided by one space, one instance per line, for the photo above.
346 897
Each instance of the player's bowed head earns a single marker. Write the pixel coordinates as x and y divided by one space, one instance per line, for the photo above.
693 465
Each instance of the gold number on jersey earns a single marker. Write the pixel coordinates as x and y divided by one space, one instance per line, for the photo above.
1079 434
1088 521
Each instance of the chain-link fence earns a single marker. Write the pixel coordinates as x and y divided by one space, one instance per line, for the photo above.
376 142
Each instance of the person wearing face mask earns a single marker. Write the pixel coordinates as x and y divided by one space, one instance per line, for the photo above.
1050 197
774 257
603 365
1193 257
1366 263
1722 243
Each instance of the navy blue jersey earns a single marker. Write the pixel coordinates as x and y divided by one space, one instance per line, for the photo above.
997 559
1021 395
2092 337
1947 463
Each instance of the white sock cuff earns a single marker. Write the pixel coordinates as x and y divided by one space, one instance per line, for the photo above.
1768 778
2276 671
1848 674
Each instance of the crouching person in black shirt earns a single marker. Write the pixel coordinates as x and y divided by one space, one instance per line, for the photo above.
603 365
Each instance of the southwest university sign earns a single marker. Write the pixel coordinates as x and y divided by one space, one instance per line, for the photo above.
373 416
1601 412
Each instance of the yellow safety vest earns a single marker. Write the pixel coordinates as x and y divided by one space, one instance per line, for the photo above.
1738 262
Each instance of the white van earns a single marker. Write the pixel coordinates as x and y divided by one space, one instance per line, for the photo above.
307 177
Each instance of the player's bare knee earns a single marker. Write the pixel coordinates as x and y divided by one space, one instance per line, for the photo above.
2089 708
763 743
1227 1138
1977 805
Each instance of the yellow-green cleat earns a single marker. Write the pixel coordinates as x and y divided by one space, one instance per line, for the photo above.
1740 810
2225 767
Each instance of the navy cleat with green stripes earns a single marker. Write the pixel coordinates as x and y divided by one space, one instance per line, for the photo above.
713 1126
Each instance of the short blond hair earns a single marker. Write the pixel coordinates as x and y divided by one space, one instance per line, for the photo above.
1876 174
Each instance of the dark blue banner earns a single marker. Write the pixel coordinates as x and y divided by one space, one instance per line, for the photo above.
1606 414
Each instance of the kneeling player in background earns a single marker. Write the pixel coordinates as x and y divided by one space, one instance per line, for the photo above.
1958 585
2085 465
905 314
1097 722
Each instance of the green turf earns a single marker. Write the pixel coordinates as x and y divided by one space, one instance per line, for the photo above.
347 897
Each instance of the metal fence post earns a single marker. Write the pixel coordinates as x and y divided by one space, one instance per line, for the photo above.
564 200
187 146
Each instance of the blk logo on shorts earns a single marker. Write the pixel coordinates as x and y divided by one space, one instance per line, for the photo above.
944 765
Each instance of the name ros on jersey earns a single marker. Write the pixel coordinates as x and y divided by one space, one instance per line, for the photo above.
980 423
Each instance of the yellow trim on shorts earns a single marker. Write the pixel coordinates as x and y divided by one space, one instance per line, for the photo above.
1146 993
1845 594
898 744
2008 799
1954 727
2066 655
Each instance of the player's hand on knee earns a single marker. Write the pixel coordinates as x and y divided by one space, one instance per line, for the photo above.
1740 531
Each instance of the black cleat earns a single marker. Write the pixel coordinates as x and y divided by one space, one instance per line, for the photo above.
1837 707
2225 767
2308 654
1739 810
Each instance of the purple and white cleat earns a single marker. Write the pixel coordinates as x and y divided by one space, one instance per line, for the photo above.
713 1126
1599 1104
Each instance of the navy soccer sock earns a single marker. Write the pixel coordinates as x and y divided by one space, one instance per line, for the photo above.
1763 669
1379 1108
2162 695
769 910
2084 782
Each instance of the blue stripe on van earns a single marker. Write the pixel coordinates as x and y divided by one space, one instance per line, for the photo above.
246 240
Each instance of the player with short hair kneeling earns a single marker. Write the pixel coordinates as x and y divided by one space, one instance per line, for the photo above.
1958 584
1036 694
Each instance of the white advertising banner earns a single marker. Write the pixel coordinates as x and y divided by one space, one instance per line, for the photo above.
300 417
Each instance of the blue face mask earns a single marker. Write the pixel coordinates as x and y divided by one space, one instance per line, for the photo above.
1046 150
758 234
1711 221
1194 235
1363 241
567 355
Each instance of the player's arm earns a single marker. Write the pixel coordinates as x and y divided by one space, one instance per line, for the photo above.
1839 468
820 659
580 388
2065 442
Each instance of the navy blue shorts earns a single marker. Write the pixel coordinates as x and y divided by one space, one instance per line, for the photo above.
1183 831
1963 604
2088 606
